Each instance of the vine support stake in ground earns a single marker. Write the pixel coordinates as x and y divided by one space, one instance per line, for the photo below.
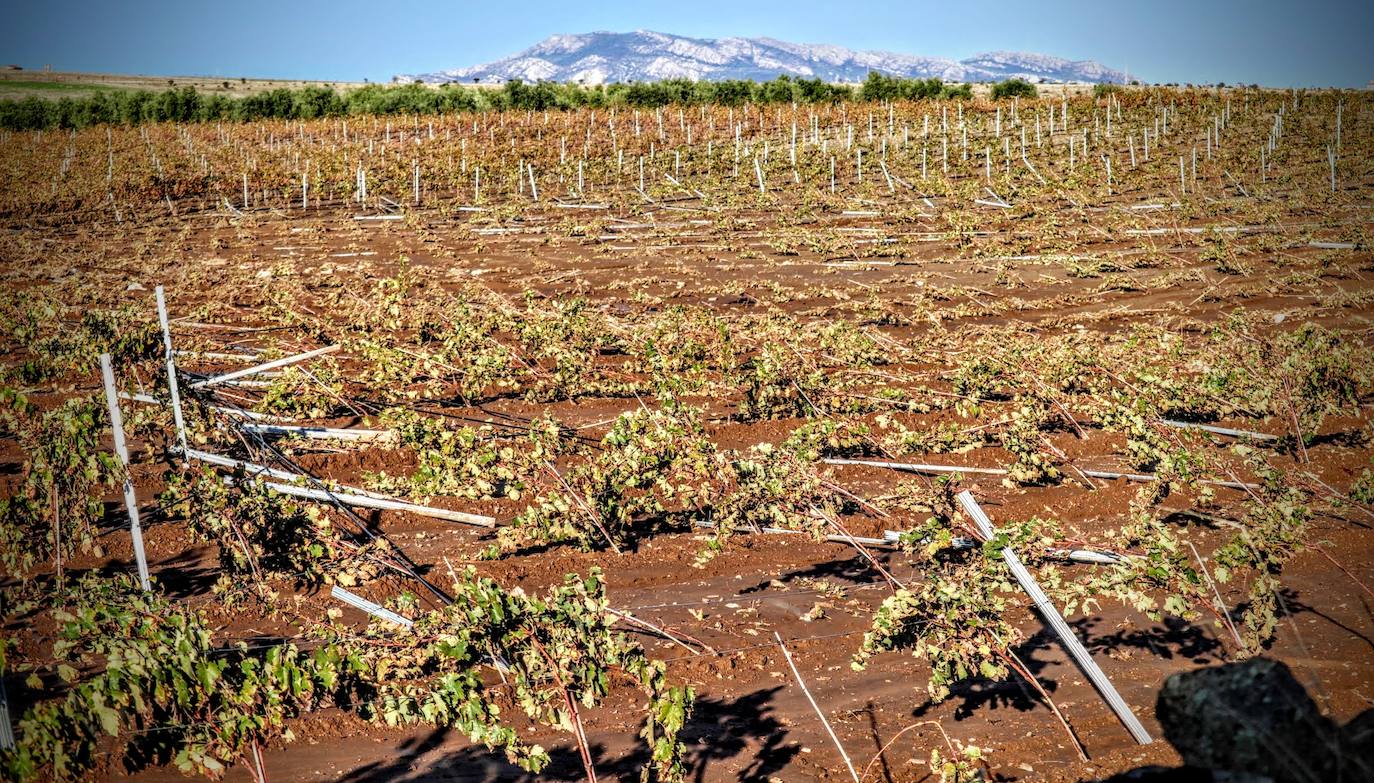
130 501
171 369
793 666
6 729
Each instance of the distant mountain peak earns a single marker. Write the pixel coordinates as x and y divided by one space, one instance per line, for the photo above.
602 57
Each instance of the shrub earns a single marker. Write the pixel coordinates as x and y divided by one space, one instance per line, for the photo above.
878 87
1013 88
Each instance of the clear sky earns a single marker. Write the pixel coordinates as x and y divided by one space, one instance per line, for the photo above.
1316 43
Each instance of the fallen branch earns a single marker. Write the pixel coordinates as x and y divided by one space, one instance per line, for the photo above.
665 633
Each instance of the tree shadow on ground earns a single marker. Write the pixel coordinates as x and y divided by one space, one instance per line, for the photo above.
1176 639
718 730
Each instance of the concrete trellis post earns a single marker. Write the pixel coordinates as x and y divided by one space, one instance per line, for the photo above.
1339 106
1056 622
6 730
172 385
130 500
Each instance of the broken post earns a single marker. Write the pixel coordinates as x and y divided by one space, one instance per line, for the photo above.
6 729
376 610
345 495
1056 621
257 368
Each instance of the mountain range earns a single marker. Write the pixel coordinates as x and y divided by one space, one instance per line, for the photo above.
643 55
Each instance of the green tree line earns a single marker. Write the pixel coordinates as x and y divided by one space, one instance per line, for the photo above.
187 105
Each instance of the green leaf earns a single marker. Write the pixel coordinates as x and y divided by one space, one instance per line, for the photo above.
109 718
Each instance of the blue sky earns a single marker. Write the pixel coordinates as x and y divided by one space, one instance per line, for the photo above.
1316 43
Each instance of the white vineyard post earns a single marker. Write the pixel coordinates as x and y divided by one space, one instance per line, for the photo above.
130 500
172 386
1056 621
6 729
819 713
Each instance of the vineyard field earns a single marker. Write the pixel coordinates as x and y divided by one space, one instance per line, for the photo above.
616 444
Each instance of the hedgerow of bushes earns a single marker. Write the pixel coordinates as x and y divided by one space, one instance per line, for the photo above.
187 105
